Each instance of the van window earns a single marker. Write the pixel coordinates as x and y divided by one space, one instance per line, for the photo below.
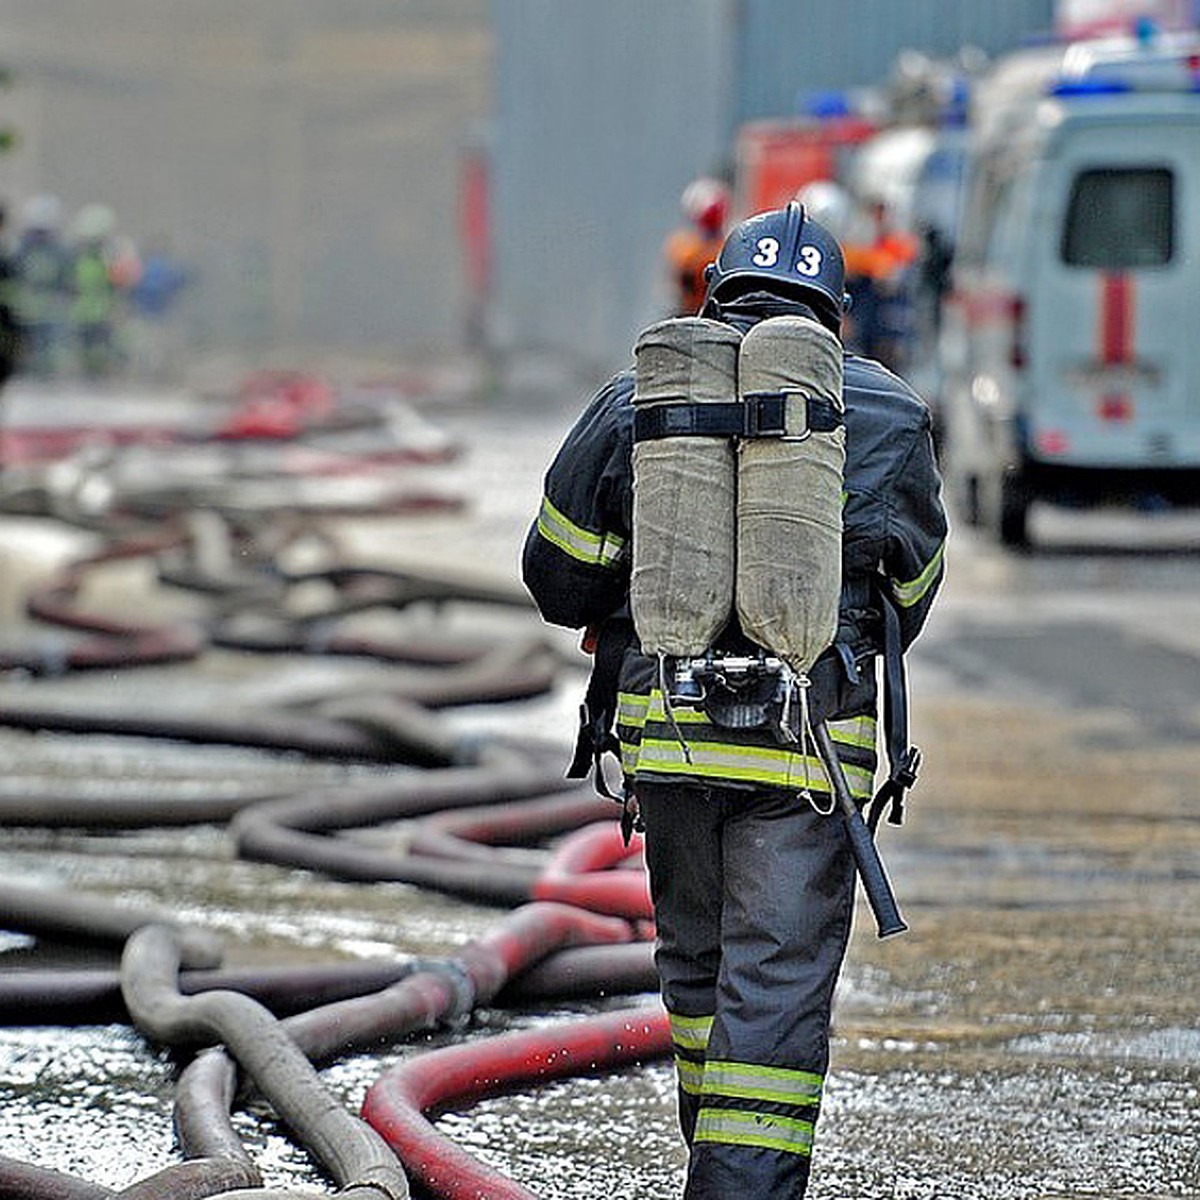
1120 218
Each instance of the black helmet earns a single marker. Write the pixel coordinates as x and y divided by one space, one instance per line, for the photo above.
784 252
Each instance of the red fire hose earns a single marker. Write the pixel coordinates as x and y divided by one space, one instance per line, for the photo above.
396 1103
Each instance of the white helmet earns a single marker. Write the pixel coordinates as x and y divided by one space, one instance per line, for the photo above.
94 223
833 206
42 212
705 201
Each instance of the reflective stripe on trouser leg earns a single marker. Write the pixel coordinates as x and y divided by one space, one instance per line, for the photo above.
687 907
785 905
690 1037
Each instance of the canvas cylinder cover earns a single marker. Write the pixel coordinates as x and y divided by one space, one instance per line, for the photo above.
684 491
789 495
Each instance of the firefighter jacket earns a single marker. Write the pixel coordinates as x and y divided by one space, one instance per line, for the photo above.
576 566
687 253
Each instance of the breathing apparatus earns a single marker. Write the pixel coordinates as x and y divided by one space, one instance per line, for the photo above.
738 459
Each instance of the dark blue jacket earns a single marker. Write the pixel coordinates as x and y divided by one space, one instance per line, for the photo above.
576 566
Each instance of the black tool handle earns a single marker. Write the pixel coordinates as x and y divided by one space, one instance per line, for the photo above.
876 884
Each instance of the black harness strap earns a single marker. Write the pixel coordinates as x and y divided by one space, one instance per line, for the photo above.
760 414
903 759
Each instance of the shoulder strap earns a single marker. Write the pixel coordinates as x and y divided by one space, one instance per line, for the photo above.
903 760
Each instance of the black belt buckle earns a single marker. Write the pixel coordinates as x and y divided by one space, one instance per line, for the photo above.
767 413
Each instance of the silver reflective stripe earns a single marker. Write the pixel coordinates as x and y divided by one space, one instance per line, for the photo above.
747 1081
632 708
690 1033
711 758
690 1075
907 594
690 1036
855 731
751 764
635 709
596 549
732 1127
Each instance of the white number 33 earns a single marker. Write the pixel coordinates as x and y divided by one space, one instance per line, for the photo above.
809 262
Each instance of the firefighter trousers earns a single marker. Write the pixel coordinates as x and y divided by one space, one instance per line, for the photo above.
753 894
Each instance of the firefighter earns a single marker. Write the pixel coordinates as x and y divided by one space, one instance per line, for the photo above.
750 869
10 335
878 268
96 291
41 266
690 248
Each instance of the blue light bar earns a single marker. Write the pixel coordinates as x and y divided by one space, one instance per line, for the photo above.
1090 87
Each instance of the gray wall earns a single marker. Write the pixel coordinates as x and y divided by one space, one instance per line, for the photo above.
604 111
787 49
303 155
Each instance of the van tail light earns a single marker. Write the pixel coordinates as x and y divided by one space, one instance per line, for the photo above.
1115 409
1052 442
1018 357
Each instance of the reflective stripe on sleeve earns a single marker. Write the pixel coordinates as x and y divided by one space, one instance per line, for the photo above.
595 549
908 594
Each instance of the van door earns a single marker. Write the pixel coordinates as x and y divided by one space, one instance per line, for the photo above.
1114 359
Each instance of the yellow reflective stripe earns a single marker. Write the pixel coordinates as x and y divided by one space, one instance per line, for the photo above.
733 1127
632 708
629 758
612 549
681 712
746 1081
690 1033
596 549
715 759
635 709
690 1075
907 594
854 731
751 764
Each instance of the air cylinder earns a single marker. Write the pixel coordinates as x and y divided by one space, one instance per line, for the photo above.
789 494
684 491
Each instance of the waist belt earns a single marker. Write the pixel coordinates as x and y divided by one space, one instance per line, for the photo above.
760 414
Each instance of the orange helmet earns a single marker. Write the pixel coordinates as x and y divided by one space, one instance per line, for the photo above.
705 201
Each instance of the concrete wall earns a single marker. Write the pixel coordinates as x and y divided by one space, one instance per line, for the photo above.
788 50
603 113
302 155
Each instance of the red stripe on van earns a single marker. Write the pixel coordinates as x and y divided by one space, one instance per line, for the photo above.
1116 319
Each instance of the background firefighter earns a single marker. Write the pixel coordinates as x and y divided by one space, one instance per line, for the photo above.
753 886
689 249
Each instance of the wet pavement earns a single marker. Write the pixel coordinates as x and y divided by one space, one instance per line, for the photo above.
1033 1035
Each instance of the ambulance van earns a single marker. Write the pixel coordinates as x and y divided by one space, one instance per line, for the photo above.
1070 339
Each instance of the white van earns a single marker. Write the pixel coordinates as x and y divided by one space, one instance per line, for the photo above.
1070 342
